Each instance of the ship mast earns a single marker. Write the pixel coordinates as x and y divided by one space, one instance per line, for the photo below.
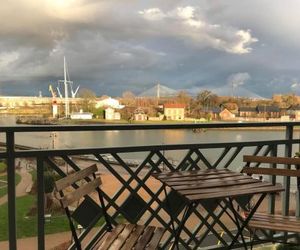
67 106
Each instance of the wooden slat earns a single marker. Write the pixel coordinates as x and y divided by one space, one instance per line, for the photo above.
228 189
272 159
209 182
85 189
70 179
175 174
276 216
275 222
271 171
101 239
143 241
269 189
111 237
152 245
287 222
122 237
201 177
131 241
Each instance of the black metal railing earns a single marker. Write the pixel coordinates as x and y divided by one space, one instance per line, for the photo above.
134 177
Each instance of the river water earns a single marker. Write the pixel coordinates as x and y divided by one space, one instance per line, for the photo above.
60 140
136 137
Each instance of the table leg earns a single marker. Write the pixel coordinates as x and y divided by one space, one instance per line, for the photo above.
170 210
237 222
185 216
245 223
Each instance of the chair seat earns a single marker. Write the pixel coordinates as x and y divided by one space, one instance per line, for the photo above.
131 236
275 222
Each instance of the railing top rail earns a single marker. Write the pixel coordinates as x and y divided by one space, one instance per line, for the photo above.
128 149
102 127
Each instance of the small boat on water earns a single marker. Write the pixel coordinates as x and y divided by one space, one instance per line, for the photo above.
199 130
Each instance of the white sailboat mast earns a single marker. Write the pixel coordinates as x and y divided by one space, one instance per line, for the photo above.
67 107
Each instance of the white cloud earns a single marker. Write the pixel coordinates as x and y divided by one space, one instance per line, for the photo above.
185 23
153 14
7 58
295 85
238 79
243 43
186 12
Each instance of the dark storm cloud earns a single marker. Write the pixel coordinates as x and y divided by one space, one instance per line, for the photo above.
113 46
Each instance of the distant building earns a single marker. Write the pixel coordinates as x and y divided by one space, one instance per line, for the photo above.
247 112
294 112
140 115
81 115
268 111
111 114
109 102
211 113
174 111
226 114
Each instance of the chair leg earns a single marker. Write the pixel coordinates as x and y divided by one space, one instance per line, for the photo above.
252 238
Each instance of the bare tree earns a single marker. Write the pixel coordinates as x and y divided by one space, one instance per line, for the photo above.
88 99
128 98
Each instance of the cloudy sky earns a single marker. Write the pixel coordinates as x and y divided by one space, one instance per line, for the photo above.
117 45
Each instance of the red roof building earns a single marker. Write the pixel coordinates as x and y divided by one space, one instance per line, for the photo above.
174 111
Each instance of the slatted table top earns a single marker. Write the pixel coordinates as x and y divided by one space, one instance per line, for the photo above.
199 185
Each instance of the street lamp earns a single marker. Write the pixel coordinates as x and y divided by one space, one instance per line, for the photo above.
53 135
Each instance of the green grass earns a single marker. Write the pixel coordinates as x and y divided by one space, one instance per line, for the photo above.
34 175
2 167
27 227
3 191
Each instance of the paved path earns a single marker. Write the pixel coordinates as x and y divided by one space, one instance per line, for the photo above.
26 180
51 241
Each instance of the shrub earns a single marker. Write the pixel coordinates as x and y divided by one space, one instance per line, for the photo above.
287 247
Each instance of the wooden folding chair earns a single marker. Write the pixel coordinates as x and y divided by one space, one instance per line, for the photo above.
88 213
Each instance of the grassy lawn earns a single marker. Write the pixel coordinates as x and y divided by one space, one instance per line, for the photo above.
3 190
27 227
2 167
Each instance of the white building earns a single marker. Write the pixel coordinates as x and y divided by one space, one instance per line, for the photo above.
109 102
82 115
111 114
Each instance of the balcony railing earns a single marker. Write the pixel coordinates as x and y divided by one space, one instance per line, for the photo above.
147 203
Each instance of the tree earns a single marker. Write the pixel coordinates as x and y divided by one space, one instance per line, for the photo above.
88 99
289 99
99 113
203 100
183 97
128 95
206 98
128 98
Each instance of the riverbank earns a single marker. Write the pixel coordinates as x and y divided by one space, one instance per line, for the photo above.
167 122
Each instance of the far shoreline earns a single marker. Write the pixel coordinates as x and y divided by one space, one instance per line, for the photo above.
64 122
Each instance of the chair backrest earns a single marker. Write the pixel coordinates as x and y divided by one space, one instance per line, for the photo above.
81 191
271 160
87 214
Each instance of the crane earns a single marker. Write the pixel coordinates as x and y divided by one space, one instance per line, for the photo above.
52 91
72 91
58 90
54 103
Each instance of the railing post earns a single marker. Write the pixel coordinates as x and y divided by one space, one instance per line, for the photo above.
271 207
11 190
286 179
40 203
